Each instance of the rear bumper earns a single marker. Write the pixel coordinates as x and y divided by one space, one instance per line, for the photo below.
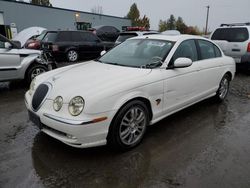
244 63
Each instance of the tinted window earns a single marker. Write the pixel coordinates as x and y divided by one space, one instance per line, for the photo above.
50 37
89 37
186 49
207 49
76 36
64 36
231 34
123 37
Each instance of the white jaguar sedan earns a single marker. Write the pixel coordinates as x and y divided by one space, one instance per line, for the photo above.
113 99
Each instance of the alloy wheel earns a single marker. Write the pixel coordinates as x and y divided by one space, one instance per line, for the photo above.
133 126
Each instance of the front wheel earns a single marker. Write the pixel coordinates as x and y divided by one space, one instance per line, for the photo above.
129 126
223 88
34 71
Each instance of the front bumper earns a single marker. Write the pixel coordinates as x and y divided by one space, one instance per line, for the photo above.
80 133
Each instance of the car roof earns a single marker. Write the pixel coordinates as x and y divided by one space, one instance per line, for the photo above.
173 38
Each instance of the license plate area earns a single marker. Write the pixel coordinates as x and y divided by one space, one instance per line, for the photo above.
35 119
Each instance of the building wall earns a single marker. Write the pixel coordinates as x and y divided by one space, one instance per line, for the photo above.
26 15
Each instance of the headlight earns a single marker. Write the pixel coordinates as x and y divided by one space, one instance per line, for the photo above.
76 106
32 86
58 103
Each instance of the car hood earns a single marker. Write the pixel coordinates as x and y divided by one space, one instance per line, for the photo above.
26 34
93 78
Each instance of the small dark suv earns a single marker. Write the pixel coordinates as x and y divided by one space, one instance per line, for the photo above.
73 45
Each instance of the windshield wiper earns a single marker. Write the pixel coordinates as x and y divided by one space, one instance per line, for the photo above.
116 64
152 65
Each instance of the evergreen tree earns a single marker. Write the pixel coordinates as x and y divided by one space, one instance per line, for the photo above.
180 25
171 23
162 26
134 14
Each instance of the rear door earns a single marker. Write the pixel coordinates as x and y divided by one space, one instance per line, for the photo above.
211 68
233 41
91 46
10 62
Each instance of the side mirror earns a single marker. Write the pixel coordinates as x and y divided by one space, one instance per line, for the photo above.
182 62
7 45
103 52
17 43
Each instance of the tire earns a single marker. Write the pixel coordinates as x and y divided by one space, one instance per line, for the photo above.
34 71
72 55
223 88
128 126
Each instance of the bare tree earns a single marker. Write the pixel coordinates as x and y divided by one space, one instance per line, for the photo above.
97 10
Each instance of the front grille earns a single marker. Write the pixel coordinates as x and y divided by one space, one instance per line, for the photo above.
39 96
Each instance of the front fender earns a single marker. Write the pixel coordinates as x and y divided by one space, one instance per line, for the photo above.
152 92
25 63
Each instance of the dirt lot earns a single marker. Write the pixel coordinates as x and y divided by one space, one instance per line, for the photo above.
207 145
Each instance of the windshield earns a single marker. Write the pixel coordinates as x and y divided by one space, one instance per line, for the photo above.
138 52
50 37
40 37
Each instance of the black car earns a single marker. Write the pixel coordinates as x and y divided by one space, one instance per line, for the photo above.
73 45
106 33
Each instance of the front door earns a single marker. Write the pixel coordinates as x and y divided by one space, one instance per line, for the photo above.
180 84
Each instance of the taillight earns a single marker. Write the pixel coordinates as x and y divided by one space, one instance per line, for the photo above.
248 47
55 48
94 32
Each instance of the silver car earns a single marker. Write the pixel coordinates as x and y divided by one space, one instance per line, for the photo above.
18 64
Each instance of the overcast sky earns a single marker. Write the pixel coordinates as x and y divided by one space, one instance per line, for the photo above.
193 12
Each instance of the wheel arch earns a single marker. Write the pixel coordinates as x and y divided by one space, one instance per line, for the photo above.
145 100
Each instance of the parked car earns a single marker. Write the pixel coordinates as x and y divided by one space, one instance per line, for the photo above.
106 33
234 40
132 33
17 63
35 42
138 83
73 45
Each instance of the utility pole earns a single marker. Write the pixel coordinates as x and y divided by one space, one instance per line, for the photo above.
207 19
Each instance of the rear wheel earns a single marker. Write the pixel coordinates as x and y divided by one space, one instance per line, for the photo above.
34 71
72 56
223 88
129 125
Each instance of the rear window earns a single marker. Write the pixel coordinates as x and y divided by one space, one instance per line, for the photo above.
123 37
50 37
231 34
